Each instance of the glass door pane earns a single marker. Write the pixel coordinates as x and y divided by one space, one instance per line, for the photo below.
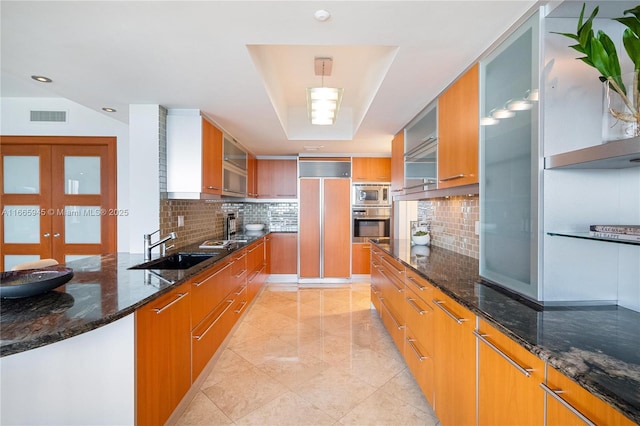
21 174
82 175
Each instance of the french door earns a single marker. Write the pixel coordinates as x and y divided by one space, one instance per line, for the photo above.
58 198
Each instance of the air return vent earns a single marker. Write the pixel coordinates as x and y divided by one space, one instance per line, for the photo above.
49 116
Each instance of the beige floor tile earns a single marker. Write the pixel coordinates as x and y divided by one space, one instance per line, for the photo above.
382 409
292 373
203 412
287 410
229 364
404 384
372 367
240 394
334 391
263 348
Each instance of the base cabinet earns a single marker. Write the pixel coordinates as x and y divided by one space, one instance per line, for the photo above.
455 362
163 355
508 381
360 258
283 253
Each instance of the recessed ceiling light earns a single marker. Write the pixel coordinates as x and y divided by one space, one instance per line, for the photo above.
322 15
108 109
313 147
41 78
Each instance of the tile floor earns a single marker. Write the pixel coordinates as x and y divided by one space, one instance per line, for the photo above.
310 356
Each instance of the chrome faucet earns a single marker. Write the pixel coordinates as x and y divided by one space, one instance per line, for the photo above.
148 246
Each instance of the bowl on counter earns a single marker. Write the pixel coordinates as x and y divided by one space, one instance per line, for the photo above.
254 226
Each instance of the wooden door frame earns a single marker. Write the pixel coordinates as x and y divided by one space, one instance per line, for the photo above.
110 187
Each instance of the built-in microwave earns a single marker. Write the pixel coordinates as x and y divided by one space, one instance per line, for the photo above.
368 194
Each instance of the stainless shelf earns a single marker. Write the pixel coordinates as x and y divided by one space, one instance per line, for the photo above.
619 154
587 236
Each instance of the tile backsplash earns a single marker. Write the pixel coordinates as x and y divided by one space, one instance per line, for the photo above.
204 219
453 222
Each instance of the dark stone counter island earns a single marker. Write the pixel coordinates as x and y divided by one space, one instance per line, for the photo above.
596 346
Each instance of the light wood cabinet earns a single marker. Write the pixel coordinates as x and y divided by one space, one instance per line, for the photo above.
458 124
209 289
277 178
397 164
283 251
570 404
325 228
257 268
370 169
455 362
508 381
252 176
392 305
211 158
163 355
361 258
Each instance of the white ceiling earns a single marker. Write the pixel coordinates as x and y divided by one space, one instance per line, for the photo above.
246 64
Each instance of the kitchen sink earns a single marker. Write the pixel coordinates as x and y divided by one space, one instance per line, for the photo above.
176 261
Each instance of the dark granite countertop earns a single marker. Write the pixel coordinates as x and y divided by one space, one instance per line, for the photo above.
596 346
103 290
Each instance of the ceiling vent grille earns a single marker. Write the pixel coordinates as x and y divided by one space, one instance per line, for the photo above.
49 116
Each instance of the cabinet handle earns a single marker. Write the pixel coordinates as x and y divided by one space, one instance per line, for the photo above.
199 283
399 271
201 336
452 177
237 311
243 288
415 349
159 310
241 273
213 187
417 308
420 287
391 281
251 250
398 325
554 395
56 235
440 303
286 195
240 257
366 246
253 276
483 337
375 290
46 235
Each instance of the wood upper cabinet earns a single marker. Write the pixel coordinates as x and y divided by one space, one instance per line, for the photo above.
455 361
397 164
163 355
370 169
508 393
588 407
277 178
211 158
252 176
283 253
458 138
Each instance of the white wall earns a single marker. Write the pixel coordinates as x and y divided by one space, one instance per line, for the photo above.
84 380
82 121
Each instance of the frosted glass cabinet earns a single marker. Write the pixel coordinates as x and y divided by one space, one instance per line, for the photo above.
58 200
510 165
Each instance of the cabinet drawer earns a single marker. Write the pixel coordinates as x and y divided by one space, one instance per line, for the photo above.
571 404
422 288
208 290
394 324
419 317
420 362
392 291
207 337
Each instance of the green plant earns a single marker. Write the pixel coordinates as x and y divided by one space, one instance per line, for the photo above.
420 233
600 53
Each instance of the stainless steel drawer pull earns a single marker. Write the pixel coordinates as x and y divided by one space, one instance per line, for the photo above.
523 370
391 281
243 288
201 336
237 311
239 274
440 303
199 283
375 290
415 349
554 394
159 310
213 187
420 287
415 307
452 177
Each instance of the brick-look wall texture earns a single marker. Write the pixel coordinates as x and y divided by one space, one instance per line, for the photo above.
453 223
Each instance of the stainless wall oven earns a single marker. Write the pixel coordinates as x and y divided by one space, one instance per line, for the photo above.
371 222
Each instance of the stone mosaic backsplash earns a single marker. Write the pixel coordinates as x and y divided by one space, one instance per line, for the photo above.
204 219
453 223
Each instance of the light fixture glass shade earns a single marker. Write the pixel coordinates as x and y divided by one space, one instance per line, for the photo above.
323 104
